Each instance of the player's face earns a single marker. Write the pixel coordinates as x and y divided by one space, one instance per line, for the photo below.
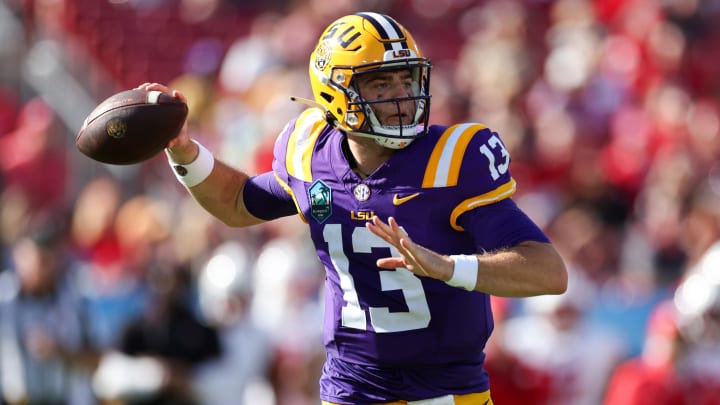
377 86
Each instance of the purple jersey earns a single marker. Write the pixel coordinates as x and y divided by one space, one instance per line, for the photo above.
393 319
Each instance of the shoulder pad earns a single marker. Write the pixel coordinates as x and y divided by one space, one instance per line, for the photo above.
469 147
294 145
474 159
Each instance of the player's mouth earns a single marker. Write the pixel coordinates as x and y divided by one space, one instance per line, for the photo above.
397 119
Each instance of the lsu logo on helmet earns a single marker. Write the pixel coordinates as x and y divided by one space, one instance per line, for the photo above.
322 56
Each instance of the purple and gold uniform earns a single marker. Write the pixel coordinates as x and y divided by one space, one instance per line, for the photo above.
391 335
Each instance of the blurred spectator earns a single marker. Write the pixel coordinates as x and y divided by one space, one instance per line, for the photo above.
287 305
241 376
8 110
699 305
15 219
652 378
514 381
32 157
698 297
45 357
111 286
555 338
681 351
157 352
248 56
700 234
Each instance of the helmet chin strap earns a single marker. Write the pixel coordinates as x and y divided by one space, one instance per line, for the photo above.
385 142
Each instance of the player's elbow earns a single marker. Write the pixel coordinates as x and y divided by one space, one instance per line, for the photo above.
559 285
557 275
551 275
240 219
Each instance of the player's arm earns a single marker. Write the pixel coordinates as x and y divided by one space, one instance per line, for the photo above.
221 192
512 257
526 269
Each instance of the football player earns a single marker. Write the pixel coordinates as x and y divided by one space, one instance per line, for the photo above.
413 223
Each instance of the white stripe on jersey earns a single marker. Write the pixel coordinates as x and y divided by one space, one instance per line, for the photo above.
443 169
301 136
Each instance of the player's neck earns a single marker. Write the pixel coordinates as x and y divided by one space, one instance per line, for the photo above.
364 155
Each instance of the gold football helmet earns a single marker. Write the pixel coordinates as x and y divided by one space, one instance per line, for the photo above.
363 43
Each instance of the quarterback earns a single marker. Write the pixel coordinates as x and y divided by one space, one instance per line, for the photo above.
414 223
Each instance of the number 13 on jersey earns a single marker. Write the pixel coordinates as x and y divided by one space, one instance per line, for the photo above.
381 319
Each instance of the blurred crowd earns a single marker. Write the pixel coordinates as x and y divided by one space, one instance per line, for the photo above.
116 288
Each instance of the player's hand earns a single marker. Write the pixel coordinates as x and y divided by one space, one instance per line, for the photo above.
418 259
181 149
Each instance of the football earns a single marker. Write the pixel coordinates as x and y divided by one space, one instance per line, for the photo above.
131 126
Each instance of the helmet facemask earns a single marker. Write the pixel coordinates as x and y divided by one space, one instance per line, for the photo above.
361 117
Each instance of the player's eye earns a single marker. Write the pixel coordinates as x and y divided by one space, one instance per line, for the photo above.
380 85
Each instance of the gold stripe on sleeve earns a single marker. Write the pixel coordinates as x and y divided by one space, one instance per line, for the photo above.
287 188
502 192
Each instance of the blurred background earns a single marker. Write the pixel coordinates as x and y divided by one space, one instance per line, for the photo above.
116 288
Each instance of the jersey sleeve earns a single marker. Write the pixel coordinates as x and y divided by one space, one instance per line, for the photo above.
501 225
266 199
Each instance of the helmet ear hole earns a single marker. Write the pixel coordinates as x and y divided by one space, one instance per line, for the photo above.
329 98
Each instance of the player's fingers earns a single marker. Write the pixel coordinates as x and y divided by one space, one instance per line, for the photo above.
428 261
380 232
173 143
400 262
156 86
409 246
380 224
413 255
392 223
396 229
390 263
404 243
392 229
380 228
392 233
179 95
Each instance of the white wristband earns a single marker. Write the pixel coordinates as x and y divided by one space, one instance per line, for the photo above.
195 172
465 272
